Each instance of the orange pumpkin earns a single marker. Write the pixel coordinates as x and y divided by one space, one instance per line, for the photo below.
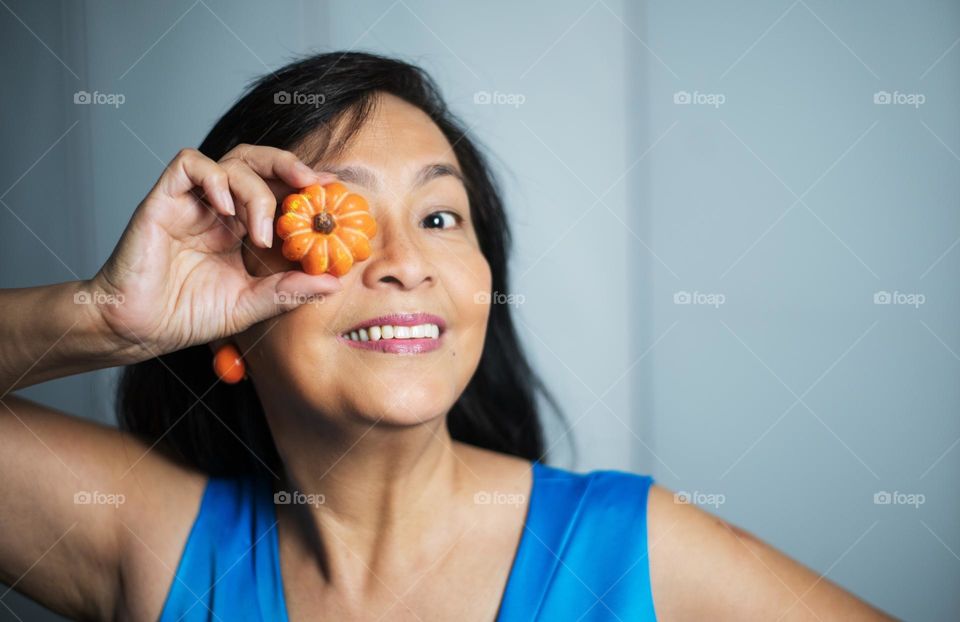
326 228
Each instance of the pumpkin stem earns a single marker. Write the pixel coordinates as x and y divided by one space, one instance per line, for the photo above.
323 222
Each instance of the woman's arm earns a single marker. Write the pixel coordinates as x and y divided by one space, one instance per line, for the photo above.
56 330
92 521
704 568
79 500
52 547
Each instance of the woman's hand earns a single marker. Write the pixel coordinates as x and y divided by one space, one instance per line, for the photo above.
177 278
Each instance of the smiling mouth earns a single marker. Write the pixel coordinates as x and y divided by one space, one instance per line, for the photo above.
406 333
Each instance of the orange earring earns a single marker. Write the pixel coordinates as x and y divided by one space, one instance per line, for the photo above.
228 364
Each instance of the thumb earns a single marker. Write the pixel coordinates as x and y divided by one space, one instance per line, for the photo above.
271 295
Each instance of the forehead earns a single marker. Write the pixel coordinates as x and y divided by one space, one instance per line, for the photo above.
395 134
397 145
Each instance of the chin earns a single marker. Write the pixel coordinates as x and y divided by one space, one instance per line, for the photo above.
416 403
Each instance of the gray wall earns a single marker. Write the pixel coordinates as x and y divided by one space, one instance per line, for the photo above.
781 199
798 199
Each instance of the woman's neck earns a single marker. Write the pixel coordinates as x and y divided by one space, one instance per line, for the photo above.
363 496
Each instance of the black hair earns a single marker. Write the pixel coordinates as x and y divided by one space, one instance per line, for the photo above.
175 402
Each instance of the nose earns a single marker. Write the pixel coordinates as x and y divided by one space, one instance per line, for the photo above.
398 259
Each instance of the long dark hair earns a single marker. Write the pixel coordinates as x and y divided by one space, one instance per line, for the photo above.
175 402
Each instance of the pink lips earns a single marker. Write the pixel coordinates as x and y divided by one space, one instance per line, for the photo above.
399 346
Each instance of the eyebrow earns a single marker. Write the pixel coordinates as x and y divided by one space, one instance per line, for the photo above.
365 177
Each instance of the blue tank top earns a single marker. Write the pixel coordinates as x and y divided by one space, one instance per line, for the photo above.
582 555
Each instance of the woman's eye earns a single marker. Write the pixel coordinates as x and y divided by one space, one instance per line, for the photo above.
442 220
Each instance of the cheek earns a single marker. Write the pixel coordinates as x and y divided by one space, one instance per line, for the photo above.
291 352
468 282
467 278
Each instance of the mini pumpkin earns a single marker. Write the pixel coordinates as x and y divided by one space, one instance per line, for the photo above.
326 228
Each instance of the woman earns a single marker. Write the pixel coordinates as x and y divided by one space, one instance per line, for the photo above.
340 479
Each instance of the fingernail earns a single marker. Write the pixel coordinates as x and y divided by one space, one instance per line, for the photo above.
227 200
266 231
303 169
332 281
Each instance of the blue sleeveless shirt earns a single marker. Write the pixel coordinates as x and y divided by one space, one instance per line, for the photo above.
582 555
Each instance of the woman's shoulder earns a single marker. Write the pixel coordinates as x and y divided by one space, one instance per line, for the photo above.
585 547
593 507
599 488
233 507
233 529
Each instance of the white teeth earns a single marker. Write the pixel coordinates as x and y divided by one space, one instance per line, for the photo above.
376 333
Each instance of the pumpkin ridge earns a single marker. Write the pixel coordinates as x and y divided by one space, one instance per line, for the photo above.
349 253
353 212
326 248
313 240
303 217
343 197
354 230
317 199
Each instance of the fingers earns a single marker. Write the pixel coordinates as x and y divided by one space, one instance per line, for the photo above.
273 163
252 170
191 169
271 295
256 203
245 183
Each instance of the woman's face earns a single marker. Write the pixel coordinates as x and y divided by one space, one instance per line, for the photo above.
425 259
